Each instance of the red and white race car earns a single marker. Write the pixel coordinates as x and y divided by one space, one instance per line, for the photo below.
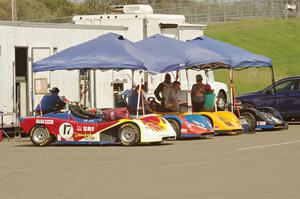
78 126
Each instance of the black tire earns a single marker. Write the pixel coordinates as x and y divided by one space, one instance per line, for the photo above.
176 127
250 119
129 134
247 105
221 101
40 136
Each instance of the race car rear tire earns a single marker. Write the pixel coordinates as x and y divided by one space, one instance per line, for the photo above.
40 136
250 119
129 134
176 127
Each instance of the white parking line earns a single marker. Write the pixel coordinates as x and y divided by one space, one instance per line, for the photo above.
268 145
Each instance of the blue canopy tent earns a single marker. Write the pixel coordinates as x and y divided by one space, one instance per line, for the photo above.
107 52
239 58
194 57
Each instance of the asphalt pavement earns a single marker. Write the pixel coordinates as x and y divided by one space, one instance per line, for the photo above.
264 165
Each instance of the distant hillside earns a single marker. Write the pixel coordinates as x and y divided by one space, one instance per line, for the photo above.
277 39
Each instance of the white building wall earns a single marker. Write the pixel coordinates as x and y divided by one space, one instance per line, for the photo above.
41 40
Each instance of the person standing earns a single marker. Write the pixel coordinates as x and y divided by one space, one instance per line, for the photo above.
198 94
134 98
172 102
162 90
209 99
129 92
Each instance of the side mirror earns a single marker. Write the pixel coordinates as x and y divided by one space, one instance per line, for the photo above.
268 91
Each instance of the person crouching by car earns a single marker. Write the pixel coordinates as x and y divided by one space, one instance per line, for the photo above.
50 102
198 94
172 102
209 99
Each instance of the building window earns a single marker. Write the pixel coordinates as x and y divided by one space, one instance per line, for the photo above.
55 50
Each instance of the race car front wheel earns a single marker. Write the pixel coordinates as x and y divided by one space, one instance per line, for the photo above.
40 136
129 134
250 119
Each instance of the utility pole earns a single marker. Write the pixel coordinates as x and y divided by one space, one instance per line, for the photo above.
13 10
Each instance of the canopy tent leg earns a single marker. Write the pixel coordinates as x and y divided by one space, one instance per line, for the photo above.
231 89
139 94
132 78
273 83
177 75
189 93
84 88
94 88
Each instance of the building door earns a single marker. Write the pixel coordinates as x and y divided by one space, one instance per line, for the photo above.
41 80
21 65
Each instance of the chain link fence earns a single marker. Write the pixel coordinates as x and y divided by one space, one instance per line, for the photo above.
216 12
231 11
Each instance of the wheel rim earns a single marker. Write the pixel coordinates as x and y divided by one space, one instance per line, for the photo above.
128 134
248 120
40 135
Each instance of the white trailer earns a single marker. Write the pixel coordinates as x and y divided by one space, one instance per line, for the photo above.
141 23
21 44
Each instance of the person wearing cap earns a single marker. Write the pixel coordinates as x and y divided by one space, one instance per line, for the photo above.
163 89
198 94
50 102
129 92
172 102
209 99
133 100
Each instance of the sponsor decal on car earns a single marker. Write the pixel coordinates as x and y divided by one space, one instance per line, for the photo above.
261 123
44 121
49 121
40 121
154 123
66 131
86 136
184 130
88 128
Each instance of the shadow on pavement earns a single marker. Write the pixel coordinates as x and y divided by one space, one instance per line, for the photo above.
93 145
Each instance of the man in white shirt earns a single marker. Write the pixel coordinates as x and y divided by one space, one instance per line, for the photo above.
172 102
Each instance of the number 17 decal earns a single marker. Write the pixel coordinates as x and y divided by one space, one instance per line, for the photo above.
66 130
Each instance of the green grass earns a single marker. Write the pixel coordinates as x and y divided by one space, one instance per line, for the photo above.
275 38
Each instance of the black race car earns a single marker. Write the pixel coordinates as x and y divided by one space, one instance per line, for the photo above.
266 118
